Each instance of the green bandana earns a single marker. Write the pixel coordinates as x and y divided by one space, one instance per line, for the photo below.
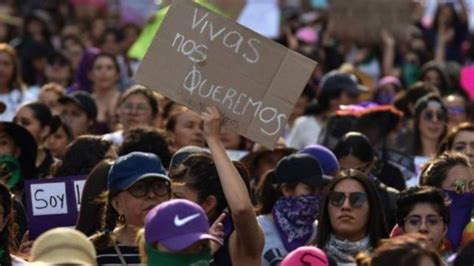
156 258
10 171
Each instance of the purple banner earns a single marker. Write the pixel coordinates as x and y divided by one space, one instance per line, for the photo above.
52 203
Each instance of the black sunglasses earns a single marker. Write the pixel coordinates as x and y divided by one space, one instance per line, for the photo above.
142 188
356 199
430 115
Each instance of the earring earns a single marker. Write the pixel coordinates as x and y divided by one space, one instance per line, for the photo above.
121 219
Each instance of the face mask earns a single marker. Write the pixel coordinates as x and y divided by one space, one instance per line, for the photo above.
294 218
157 258
10 171
460 213
385 97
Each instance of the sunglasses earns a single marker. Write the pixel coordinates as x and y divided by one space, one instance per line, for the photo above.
460 186
356 199
142 188
431 221
430 115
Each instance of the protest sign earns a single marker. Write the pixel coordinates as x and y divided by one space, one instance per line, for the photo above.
364 20
200 59
52 203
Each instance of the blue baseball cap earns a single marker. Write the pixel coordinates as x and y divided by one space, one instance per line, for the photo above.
133 167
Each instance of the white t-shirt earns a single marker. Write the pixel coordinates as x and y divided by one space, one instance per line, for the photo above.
15 99
305 132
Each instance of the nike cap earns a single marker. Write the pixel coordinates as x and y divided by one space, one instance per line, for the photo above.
177 224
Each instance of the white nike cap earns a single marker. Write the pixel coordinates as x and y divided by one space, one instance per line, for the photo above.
177 224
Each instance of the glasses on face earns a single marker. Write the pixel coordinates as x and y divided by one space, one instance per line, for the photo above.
461 186
139 108
356 199
431 221
142 188
430 115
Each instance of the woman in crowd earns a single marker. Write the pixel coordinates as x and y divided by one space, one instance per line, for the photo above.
460 139
38 120
79 112
12 89
49 95
289 199
184 128
105 74
425 210
410 249
430 125
137 182
354 151
351 219
138 106
164 242
451 172
59 140
216 184
83 154
456 106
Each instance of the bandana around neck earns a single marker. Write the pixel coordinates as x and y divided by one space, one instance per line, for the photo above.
294 218
343 251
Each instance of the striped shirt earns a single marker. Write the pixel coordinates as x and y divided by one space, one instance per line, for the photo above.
108 256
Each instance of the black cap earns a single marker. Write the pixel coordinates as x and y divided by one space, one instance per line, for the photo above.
336 80
300 167
84 100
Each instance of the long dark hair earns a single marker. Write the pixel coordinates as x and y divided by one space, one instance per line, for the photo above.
88 221
376 223
109 218
6 236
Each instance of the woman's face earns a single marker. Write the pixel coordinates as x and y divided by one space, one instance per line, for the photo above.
230 139
464 143
76 118
432 77
135 111
104 74
50 99
458 173
188 130
456 110
8 146
25 118
424 219
352 162
347 221
73 51
135 209
7 67
57 143
432 122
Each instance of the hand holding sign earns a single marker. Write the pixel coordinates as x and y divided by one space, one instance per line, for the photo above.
212 123
200 59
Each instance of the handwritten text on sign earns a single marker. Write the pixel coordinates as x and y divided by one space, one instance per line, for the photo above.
199 59
49 198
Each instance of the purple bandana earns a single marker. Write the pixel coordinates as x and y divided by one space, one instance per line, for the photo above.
294 218
460 213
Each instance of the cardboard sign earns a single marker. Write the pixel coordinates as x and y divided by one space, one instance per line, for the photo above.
52 203
200 59
364 20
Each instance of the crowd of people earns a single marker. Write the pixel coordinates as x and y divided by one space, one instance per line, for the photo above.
376 165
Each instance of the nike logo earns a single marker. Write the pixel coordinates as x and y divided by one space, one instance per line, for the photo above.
180 222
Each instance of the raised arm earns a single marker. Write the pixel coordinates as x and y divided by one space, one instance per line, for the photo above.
250 239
